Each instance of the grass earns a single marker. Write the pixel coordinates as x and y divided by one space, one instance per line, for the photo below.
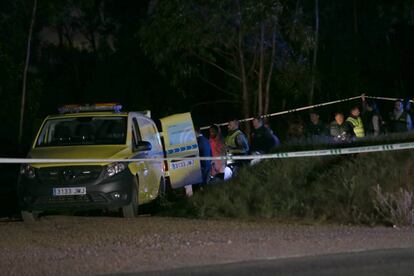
361 189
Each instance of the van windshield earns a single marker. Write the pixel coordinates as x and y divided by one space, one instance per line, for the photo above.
83 131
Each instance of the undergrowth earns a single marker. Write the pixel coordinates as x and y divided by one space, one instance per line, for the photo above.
366 188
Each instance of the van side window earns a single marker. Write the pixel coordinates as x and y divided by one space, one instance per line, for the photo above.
135 132
136 128
150 133
181 133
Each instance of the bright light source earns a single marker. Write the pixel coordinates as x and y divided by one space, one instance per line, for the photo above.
115 168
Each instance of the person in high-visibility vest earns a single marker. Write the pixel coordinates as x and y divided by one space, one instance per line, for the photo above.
356 122
236 141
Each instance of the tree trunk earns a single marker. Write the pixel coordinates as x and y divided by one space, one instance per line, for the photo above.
315 52
60 34
245 92
270 73
296 18
243 76
26 67
355 10
356 46
260 76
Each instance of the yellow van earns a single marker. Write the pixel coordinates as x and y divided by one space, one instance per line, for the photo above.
101 131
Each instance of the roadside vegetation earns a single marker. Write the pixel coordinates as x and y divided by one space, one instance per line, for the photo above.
370 189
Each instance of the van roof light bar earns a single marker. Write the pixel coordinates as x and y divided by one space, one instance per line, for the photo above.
77 108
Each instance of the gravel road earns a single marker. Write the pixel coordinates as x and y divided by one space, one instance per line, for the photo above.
62 245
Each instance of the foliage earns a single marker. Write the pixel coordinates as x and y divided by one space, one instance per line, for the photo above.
396 207
246 41
153 55
14 23
334 189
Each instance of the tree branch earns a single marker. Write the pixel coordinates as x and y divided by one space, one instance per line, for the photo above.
216 66
217 87
252 67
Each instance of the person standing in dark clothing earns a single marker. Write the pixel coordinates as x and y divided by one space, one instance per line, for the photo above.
316 127
275 138
408 107
371 117
262 139
340 130
399 120
204 149
295 134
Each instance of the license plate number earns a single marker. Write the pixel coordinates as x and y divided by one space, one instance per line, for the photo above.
69 191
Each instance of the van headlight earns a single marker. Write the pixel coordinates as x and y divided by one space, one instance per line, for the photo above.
28 171
114 168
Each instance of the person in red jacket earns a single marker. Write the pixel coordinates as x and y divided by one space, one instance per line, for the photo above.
218 148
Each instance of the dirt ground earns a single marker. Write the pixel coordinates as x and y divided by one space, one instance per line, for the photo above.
64 245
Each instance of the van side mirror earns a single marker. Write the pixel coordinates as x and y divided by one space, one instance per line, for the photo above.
143 146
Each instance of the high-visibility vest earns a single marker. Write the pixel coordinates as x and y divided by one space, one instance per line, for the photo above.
232 144
357 125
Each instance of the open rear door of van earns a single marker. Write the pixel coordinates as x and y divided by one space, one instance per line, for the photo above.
180 140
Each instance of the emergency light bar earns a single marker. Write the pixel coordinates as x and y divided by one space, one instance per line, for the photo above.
76 108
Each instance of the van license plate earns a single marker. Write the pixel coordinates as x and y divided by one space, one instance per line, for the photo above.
69 191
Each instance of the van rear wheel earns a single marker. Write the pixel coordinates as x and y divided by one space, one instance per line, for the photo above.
131 210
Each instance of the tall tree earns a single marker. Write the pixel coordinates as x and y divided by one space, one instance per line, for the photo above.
315 53
26 67
237 38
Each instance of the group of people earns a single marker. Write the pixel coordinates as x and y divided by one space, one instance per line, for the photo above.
367 122
359 124
263 140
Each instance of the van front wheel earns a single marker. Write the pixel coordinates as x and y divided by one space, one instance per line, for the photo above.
131 210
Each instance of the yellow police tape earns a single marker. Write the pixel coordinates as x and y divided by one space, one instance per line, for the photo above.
310 153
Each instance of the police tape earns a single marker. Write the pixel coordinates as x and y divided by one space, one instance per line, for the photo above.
292 110
386 98
279 155
311 107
